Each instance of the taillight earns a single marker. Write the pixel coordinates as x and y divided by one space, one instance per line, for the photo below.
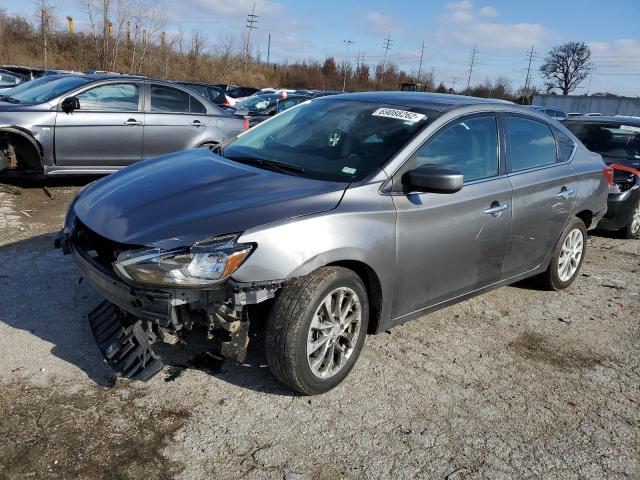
607 171
245 125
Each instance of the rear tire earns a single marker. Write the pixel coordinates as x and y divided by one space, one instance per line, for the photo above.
567 257
316 329
632 230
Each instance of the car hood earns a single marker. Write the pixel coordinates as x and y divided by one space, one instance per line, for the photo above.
182 198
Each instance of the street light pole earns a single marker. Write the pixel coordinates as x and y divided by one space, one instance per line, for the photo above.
344 65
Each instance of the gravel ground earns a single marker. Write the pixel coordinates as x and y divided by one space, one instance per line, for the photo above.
516 383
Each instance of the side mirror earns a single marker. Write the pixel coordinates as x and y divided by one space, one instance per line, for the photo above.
70 104
432 178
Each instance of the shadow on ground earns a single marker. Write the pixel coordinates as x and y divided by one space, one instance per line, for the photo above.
42 295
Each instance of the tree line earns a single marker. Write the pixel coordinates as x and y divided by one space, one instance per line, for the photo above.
128 36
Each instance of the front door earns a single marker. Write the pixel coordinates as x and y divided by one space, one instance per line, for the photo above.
544 192
175 121
452 244
105 131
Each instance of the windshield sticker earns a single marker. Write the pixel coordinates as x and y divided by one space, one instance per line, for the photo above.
405 115
349 170
334 139
629 127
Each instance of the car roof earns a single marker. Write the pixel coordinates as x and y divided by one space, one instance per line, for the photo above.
633 121
432 101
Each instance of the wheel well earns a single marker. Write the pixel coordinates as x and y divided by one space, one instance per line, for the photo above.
22 152
586 216
372 284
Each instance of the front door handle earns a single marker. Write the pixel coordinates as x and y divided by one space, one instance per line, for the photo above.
196 123
565 193
496 209
132 122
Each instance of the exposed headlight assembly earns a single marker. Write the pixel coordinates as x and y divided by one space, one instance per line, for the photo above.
206 263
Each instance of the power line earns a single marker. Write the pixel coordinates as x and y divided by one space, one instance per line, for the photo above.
473 59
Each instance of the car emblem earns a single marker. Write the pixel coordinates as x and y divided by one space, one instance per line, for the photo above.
334 139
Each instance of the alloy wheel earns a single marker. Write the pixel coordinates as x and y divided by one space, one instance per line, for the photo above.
334 332
570 255
635 220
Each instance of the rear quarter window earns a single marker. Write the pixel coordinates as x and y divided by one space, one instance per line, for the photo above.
565 145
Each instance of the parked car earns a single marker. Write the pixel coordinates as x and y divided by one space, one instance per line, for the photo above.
344 216
6 95
31 72
100 123
9 80
617 139
552 112
210 92
261 107
241 92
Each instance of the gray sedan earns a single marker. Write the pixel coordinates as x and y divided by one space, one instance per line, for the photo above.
101 123
342 216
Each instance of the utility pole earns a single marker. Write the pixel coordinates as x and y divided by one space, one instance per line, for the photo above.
454 80
268 50
387 46
527 80
589 84
251 25
473 60
344 65
421 58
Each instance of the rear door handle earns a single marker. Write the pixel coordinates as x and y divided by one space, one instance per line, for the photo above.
496 209
565 193
196 123
132 122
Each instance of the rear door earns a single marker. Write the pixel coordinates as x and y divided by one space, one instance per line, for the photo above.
175 120
105 131
452 244
544 192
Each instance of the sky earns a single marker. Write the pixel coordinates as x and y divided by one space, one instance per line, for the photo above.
502 32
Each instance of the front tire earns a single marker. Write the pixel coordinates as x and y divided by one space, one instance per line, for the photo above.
632 230
316 329
567 257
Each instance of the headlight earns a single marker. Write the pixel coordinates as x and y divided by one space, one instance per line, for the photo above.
206 263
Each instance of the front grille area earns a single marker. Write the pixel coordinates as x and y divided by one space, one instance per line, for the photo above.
102 251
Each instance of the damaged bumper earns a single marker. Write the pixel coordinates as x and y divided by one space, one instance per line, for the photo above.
134 318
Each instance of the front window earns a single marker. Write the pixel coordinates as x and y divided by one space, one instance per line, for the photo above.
469 146
50 90
115 97
337 140
616 140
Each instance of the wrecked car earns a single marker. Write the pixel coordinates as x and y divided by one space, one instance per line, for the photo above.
342 216
96 124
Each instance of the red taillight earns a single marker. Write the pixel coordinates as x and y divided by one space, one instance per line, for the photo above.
607 171
245 124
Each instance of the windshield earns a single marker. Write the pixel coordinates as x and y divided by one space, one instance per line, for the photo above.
49 90
617 140
259 103
337 140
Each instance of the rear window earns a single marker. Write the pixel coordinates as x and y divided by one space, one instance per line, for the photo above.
530 143
617 140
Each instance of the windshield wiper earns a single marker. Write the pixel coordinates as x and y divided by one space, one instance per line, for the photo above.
259 162
8 99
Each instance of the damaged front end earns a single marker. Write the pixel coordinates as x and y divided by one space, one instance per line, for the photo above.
162 296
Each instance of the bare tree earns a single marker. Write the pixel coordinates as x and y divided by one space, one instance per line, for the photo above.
198 42
45 15
566 66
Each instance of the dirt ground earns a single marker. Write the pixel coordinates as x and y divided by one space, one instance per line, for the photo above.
516 383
